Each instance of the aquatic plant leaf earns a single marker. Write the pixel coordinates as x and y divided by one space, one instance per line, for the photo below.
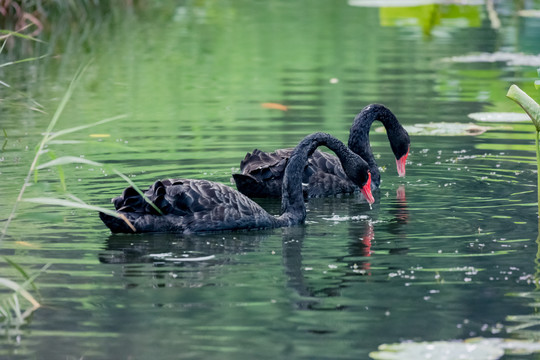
68 160
511 59
530 106
499 117
529 13
471 349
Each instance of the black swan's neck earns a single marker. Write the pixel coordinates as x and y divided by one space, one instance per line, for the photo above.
292 204
359 134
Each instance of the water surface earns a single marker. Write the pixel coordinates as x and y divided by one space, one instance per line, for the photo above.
448 252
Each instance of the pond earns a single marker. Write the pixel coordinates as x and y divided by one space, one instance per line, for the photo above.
448 252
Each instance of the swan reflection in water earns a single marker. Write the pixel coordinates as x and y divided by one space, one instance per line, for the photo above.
171 253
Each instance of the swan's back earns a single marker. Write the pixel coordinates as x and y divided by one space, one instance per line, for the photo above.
262 174
187 206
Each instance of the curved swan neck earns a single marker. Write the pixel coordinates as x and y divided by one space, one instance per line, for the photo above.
359 134
292 204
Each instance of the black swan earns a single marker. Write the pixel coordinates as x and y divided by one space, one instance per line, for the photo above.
262 173
194 206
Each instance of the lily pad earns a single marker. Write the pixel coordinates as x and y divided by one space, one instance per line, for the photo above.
406 3
470 349
446 129
511 59
529 13
500 117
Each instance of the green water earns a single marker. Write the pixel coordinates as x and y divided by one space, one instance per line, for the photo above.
453 256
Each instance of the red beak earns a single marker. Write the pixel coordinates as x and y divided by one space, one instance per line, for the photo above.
401 164
366 190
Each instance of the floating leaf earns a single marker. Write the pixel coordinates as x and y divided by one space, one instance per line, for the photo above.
513 59
470 349
499 117
275 106
529 13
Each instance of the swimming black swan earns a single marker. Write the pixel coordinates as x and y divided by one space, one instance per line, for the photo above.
194 206
262 173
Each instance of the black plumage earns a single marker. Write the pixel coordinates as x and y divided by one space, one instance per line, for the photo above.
194 206
262 173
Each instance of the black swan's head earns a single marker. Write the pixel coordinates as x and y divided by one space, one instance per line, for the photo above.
401 145
358 171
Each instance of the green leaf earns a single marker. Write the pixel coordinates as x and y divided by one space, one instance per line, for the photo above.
82 127
20 270
70 204
68 160
138 190
471 349
78 205
530 106
19 290
23 36
23 60
66 142
537 84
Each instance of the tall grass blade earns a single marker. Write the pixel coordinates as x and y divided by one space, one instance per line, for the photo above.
52 123
63 102
21 271
8 33
82 127
19 289
78 205
23 60
5 141
74 198
138 190
64 160
70 204
60 171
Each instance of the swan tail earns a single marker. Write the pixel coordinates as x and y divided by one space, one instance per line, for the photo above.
253 188
116 225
